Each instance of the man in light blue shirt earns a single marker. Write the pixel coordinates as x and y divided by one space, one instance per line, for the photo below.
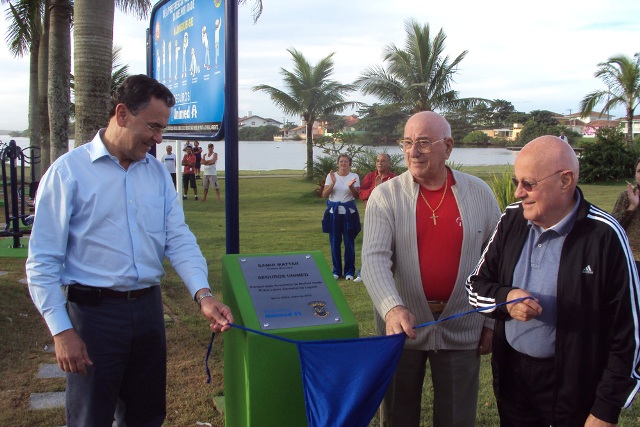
107 215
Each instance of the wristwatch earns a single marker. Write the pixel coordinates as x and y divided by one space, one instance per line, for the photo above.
203 296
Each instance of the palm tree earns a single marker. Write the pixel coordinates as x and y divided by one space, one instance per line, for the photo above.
59 70
621 74
119 72
23 35
418 77
43 91
93 42
257 8
311 94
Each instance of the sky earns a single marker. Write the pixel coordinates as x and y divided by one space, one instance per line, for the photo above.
537 55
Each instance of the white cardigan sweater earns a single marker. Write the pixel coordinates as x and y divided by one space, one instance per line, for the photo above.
390 267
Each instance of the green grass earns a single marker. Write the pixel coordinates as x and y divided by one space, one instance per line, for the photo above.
276 215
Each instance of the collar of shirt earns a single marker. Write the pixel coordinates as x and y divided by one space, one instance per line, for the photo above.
97 149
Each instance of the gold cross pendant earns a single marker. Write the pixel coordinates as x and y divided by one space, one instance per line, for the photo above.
433 217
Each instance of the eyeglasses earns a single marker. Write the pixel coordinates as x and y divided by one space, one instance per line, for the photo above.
156 129
423 144
528 186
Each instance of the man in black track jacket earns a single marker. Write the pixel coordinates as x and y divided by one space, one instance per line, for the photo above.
570 355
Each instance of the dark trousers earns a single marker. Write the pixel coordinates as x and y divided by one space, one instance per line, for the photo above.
455 380
126 342
336 237
527 392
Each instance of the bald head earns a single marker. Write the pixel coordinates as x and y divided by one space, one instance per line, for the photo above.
551 154
437 124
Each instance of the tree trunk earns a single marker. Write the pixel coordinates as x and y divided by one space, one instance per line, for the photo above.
629 126
309 150
34 112
93 41
43 92
59 72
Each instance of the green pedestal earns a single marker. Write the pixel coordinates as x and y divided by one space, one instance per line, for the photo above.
276 294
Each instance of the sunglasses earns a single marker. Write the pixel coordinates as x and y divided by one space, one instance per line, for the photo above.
528 185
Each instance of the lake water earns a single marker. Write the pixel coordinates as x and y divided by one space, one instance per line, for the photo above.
272 155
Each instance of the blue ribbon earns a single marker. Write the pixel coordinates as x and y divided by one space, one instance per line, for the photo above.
422 325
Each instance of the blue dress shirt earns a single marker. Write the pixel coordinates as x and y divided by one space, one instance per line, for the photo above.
100 225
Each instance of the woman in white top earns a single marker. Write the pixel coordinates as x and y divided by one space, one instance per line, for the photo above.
341 219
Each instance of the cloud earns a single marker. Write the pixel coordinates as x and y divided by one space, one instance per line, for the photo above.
536 55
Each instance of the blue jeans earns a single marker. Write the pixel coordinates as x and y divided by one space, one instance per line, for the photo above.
336 236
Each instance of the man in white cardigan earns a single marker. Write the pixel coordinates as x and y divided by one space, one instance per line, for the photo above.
424 232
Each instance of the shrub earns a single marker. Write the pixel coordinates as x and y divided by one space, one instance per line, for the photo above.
321 167
476 137
503 188
454 166
607 157
259 133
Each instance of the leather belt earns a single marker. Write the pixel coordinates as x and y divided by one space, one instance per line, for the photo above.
437 306
84 294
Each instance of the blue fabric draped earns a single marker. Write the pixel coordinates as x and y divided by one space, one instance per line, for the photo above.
344 380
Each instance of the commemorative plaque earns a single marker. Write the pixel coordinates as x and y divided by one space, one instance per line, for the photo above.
288 291
286 295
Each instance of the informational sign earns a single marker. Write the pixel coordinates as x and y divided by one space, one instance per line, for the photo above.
288 291
186 54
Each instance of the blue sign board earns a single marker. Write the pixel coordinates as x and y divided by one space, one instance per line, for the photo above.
186 53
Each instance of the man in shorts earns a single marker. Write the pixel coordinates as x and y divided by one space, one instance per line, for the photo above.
210 177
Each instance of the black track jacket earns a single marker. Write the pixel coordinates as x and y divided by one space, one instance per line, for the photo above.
597 356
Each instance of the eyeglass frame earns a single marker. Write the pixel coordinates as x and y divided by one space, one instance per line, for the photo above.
425 150
528 186
155 129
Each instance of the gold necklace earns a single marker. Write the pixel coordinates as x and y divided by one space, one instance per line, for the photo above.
433 211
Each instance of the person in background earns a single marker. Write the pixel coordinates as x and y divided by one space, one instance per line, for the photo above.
372 180
197 151
567 355
564 137
424 232
210 178
169 161
341 219
626 212
106 217
188 173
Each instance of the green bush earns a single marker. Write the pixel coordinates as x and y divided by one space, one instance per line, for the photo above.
503 189
476 137
607 157
321 167
259 133
454 165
